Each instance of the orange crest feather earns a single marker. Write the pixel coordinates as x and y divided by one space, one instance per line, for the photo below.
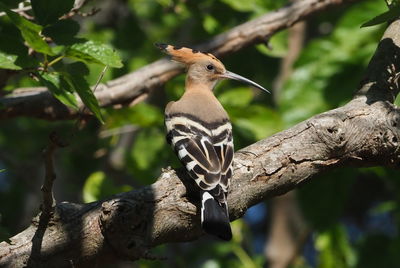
185 55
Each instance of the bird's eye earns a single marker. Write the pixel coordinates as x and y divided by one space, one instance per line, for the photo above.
210 67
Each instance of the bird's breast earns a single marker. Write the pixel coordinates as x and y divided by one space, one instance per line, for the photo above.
204 107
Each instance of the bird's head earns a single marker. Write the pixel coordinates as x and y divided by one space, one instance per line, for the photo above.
203 68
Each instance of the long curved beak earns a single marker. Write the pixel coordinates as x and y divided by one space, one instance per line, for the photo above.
240 78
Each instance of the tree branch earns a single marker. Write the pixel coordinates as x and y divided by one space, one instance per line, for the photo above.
364 132
38 102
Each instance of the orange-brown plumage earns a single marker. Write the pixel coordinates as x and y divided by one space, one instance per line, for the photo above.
186 55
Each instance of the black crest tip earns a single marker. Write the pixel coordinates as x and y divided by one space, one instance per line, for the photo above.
161 46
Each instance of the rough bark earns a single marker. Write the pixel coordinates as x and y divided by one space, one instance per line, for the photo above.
131 88
365 132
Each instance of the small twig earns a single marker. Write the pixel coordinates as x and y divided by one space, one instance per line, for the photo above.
92 12
76 10
55 60
100 78
18 10
50 175
80 3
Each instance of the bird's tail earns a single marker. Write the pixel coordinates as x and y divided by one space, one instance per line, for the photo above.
214 217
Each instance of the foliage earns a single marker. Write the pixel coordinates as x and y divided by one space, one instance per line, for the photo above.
46 54
387 16
346 209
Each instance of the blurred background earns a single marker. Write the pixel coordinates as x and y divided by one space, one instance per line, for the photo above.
345 218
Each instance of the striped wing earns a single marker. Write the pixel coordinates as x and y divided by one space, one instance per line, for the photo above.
223 146
205 150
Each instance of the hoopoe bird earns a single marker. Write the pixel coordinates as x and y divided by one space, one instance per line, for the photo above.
199 130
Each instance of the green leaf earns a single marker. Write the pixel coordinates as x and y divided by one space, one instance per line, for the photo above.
80 85
94 52
13 61
77 68
47 12
63 32
7 61
13 52
29 30
389 15
59 88
2 170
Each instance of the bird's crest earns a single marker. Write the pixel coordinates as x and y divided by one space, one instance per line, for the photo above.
203 68
186 55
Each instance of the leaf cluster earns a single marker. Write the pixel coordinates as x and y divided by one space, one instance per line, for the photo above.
39 47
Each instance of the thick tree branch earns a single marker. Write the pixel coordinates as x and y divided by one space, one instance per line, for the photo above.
38 102
364 132
381 78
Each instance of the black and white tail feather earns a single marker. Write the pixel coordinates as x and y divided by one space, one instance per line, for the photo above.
214 217
206 150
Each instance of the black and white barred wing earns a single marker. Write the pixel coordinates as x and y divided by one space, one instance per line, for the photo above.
197 154
223 146
207 158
